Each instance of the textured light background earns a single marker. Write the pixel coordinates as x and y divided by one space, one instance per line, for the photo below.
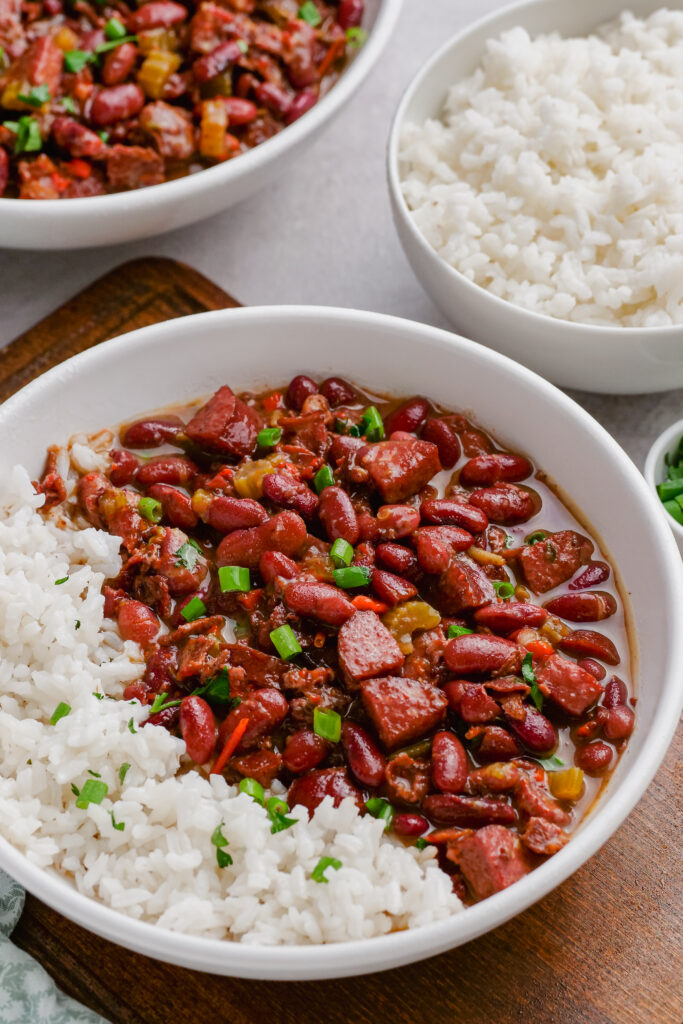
322 234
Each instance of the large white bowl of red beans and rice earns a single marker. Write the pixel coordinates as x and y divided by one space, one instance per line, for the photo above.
257 349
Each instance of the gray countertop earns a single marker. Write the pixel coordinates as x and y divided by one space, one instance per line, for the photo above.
321 234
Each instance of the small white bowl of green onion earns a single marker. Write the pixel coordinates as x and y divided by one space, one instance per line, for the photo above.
664 473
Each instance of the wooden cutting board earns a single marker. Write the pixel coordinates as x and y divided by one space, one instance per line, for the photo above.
604 948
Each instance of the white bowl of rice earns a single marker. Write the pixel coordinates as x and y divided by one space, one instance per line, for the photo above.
153 887
535 169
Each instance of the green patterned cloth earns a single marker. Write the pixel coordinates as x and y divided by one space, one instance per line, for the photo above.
27 993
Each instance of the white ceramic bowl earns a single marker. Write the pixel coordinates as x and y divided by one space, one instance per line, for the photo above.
126 216
655 470
616 360
260 346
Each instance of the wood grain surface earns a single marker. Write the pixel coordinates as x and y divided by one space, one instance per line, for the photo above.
604 948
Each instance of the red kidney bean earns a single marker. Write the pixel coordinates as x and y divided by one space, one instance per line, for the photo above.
119 63
454 691
615 694
409 825
272 96
585 643
475 442
299 389
367 525
364 757
449 763
344 447
198 729
285 532
505 617
167 469
390 588
338 515
594 758
226 513
311 789
505 504
137 622
619 724
497 745
595 669
481 654
446 440
395 521
152 432
117 102
273 564
53 7
536 732
398 559
160 670
283 489
300 105
350 13
590 606
593 575
449 512
304 751
218 60
320 601
436 544
176 505
409 417
337 392
167 717
157 14
485 470
240 111
124 466
468 811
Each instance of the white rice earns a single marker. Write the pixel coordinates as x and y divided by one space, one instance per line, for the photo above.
162 866
555 177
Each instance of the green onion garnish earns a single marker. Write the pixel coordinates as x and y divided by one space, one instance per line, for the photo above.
103 135
61 711
550 763
323 478
253 789
223 859
380 808
27 131
674 510
187 555
269 437
503 588
455 630
217 689
530 678
277 812
123 771
74 789
62 580
150 509
118 825
93 792
327 724
285 642
95 775
670 489
242 45
160 703
341 553
76 60
356 36
78 623
114 29
352 576
232 578
99 696
131 726
36 97
194 609
421 843
104 47
310 13
318 872
372 425
534 538
68 104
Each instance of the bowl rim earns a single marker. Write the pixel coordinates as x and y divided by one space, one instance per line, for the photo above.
395 949
224 174
402 212
660 445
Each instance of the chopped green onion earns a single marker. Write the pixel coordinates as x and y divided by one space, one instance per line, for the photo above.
356 36
455 630
114 29
36 97
534 538
78 623
503 588
285 642
223 859
187 555
150 509
323 478
105 47
131 725
95 775
277 812
68 104
242 45
123 771
530 678
674 510
118 825
93 792
253 789
194 609
670 489
76 60
232 578
352 576
310 13
103 135
61 711
421 843
217 689
318 872
341 552
27 131
380 808
372 425
550 763
74 789
62 580
2 56
269 437
160 703
327 724
99 696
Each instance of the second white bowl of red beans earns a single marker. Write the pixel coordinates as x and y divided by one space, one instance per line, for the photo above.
259 348
141 213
